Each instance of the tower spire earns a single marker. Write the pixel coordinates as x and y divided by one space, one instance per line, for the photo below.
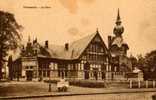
118 19
118 29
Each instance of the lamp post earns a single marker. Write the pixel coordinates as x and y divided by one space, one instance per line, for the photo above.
49 82
50 67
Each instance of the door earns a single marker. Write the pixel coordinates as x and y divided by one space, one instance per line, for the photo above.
103 69
29 75
86 70
62 70
95 71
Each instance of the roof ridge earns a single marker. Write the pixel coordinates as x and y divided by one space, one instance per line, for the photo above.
83 38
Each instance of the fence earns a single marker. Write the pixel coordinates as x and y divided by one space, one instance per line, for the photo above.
142 84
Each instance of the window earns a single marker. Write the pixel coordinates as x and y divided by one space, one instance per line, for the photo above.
35 52
87 56
44 73
90 47
93 49
27 67
101 50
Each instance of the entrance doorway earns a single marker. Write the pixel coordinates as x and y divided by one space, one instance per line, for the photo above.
103 71
62 73
62 70
95 71
29 75
86 69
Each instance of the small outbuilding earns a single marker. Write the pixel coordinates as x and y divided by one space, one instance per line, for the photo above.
135 75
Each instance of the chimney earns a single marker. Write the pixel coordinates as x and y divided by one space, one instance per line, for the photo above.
109 41
66 46
46 44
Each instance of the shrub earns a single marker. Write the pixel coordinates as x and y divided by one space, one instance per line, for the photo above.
87 83
81 83
52 81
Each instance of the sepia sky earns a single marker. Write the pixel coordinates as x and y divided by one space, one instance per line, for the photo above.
69 20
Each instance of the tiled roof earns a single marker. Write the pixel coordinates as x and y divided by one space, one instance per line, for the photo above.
75 48
74 51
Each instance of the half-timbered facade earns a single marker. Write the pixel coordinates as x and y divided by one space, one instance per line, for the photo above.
86 58
94 58
82 59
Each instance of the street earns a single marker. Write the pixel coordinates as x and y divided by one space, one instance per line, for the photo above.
123 96
39 89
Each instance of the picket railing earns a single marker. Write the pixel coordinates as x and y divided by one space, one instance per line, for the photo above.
142 84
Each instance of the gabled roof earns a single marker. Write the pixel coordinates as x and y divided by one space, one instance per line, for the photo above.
75 50
80 45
